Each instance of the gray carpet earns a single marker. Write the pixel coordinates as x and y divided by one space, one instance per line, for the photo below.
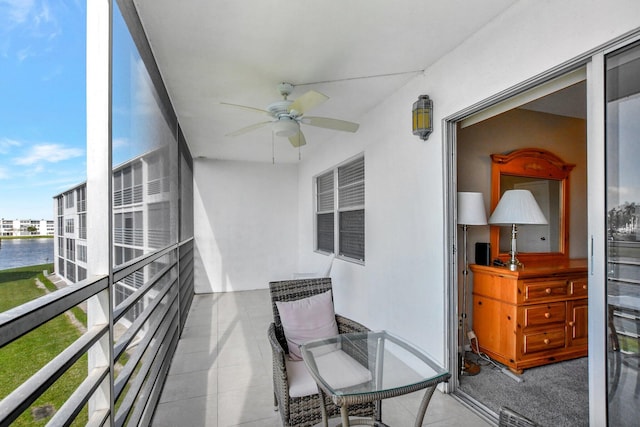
551 395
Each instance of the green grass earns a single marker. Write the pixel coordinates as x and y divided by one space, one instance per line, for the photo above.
26 355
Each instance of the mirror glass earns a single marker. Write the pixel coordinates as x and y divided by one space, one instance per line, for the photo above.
547 177
535 238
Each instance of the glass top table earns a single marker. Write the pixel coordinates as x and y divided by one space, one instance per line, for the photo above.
366 367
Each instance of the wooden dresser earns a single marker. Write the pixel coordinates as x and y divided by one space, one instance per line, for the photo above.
533 316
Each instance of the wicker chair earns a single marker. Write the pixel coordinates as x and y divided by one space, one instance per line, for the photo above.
303 411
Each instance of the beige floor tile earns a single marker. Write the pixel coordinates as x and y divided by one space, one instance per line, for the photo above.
191 384
194 412
243 406
221 373
191 362
243 376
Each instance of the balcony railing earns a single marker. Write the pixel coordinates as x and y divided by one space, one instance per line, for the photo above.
130 395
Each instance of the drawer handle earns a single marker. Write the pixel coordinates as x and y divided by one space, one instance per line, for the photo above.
547 315
548 291
546 341
572 323
584 286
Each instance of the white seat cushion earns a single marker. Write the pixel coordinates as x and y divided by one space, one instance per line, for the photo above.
345 372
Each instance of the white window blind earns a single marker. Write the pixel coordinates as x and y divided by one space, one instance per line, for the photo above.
351 209
340 206
325 212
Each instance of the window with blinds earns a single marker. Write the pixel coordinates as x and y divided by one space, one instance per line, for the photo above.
325 212
344 184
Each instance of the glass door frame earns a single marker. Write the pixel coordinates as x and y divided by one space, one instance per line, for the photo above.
596 216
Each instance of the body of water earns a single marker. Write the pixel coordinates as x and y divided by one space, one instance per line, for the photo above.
23 252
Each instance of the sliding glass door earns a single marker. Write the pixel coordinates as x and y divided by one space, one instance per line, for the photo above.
623 233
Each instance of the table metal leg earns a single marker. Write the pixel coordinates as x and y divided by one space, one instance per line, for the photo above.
423 405
344 411
323 408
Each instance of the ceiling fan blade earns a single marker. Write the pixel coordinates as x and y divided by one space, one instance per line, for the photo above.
245 107
298 139
248 128
335 124
308 101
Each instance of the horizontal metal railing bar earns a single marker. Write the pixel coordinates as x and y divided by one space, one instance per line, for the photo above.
19 320
160 377
74 404
185 289
125 374
22 397
186 251
625 262
184 265
136 385
622 280
137 324
149 385
149 412
128 268
186 277
98 418
183 302
132 299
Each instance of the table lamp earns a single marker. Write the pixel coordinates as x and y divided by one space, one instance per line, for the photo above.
516 207
471 211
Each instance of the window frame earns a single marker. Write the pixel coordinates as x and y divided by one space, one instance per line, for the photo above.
337 210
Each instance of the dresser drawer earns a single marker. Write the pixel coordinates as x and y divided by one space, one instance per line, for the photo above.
544 314
578 287
541 341
546 290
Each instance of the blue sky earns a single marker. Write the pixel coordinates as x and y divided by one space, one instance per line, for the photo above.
42 104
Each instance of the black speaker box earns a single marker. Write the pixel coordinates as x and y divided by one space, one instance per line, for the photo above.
483 253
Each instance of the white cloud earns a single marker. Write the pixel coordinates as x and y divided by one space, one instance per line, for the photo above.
119 143
23 54
23 22
4 174
17 11
52 153
43 15
6 144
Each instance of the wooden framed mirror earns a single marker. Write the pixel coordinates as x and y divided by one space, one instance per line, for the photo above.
547 177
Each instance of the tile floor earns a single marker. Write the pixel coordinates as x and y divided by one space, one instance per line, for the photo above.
221 373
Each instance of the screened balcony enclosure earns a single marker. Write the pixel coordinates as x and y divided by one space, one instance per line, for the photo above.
191 206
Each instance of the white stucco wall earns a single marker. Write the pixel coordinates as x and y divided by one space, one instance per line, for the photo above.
245 224
402 286
252 219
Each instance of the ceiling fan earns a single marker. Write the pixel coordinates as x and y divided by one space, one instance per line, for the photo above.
287 115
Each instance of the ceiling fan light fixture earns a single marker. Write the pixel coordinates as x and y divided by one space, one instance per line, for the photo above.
285 127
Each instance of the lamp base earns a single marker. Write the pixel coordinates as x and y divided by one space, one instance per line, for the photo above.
513 266
470 369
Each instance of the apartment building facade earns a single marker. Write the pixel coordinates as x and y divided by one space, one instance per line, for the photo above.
27 227
141 223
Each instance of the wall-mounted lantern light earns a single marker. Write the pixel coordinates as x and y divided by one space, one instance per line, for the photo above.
422 117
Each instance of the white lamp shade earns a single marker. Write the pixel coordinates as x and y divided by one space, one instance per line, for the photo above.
471 209
517 207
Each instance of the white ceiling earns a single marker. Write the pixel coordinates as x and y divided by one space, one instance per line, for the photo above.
237 51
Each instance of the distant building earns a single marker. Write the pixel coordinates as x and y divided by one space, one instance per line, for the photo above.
27 227
141 223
